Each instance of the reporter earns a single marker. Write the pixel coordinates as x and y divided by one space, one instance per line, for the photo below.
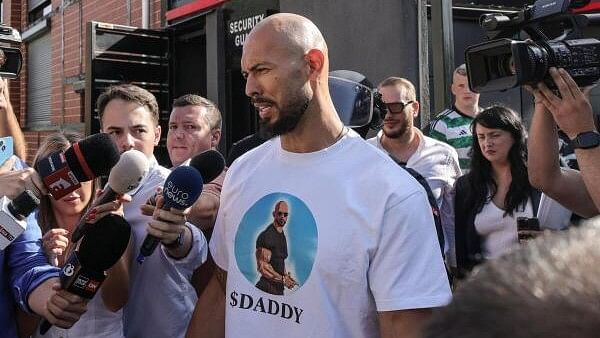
58 219
579 191
27 281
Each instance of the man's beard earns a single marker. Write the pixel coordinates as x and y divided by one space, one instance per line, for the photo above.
289 117
402 129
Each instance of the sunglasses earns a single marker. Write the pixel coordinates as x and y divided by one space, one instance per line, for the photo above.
396 107
282 214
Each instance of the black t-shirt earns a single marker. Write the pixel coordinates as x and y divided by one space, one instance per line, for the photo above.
274 241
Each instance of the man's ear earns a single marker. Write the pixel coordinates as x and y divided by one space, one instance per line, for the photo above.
316 60
215 137
156 135
416 108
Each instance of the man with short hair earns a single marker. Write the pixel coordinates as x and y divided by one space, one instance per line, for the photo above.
453 125
366 242
161 298
271 252
436 161
195 127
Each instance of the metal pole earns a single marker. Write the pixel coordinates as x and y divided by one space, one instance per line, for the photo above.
423 45
442 38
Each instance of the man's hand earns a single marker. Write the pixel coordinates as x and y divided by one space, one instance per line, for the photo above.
4 95
12 183
64 308
572 111
289 281
167 225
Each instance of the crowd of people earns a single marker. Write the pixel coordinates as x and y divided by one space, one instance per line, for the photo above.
317 232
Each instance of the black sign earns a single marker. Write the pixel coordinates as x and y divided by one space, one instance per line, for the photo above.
238 29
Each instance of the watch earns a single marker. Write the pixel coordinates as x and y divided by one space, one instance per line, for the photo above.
586 140
178 242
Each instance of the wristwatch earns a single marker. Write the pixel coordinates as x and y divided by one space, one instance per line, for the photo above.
178 242
586 140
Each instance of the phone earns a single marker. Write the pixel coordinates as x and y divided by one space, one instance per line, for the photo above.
6 148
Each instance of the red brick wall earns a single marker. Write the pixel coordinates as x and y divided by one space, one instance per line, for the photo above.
68 26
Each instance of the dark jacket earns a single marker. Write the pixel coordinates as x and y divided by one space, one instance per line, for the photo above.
467 240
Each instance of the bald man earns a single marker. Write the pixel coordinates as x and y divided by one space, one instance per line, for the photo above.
362 247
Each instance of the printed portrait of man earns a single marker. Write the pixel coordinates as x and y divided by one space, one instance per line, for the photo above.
271 252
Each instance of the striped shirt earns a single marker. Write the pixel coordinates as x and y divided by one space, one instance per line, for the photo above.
454 128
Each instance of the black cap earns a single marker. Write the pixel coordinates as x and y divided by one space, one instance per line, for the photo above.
24 204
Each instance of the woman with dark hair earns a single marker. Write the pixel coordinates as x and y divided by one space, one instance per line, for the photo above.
57 220
495 192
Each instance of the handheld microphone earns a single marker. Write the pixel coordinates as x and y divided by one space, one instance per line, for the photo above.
125 176
85 270
181 189
209 164
83 161
13 214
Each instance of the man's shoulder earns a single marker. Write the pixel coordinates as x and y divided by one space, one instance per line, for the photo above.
439 146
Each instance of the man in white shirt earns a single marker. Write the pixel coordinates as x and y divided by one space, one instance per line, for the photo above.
436 161
360 246
161 298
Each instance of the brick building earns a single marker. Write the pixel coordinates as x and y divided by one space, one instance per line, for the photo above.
201 48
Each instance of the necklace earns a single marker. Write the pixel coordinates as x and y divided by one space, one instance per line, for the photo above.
341 134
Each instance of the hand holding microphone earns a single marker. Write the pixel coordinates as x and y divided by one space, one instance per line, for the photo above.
125 176
85 270
180 191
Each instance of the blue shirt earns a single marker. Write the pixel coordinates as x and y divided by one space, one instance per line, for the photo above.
23 266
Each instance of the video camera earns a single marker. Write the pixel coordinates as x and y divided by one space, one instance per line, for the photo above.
556 40
11 58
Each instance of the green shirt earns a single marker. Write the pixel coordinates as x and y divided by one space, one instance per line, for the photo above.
454 128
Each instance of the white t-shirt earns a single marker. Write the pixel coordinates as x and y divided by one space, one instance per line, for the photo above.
438 163
96 322
360 239
498 231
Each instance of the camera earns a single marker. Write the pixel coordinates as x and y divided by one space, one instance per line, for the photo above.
555 40
11 58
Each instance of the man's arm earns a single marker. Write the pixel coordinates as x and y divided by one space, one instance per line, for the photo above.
577 191
404 323
204 212
9 125
210 324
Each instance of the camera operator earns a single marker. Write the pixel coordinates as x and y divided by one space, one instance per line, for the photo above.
9 124
579 191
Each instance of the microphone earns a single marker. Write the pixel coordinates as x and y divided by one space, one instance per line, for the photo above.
13 214
102 246
125 176
83 161
209 164
181 189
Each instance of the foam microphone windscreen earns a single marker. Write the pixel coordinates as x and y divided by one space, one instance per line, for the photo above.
209 164
93 156
129 171
104 242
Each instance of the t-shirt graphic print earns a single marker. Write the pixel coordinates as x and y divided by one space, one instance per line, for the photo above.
275 248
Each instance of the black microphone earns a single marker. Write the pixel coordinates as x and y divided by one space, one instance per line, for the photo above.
125 176
209 164
83 161
181 189
85 270
13 214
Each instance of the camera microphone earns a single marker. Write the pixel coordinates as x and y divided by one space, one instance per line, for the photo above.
13 214
100 249
125 176
63 173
